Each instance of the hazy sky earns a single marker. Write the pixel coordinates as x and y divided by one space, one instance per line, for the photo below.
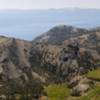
45 4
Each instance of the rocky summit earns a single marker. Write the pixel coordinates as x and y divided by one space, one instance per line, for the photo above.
64 54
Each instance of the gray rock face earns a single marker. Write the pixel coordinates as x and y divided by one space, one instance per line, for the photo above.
80 89
80 86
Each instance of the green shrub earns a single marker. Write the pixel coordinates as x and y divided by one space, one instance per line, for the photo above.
95 74
57 92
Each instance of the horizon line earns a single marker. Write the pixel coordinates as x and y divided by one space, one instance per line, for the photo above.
49 8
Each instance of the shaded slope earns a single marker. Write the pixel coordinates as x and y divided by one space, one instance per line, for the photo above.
59 34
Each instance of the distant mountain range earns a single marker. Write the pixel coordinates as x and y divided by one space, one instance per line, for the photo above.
27 24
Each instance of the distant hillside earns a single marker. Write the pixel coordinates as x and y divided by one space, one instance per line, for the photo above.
59 34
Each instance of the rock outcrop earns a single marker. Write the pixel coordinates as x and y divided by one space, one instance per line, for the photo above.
56 56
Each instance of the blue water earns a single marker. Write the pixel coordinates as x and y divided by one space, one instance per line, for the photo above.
31 23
